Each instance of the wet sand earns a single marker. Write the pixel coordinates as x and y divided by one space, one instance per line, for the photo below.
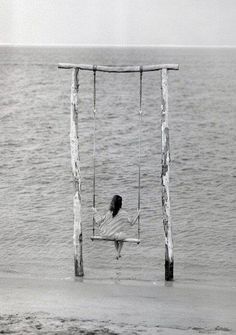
87 307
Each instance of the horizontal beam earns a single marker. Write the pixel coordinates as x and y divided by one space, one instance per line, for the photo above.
103 238
119 68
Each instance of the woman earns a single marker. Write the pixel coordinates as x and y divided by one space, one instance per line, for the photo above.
114 222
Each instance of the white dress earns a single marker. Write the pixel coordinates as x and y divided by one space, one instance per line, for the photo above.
113 227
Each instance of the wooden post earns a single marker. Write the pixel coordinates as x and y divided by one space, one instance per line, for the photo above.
165 174
75 162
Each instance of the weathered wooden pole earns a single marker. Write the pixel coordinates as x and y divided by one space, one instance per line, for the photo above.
165 174
75 163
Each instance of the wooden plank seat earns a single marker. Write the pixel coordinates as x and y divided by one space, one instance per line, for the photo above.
103 238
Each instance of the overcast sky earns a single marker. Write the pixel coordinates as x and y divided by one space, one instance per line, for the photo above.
118 22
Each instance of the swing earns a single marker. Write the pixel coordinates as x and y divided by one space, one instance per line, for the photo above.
103 238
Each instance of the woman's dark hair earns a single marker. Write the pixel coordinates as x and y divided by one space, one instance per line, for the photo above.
116 204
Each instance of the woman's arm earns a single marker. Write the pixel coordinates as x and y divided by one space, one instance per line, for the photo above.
97 217
132 222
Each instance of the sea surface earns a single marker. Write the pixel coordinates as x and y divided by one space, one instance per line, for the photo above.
36 184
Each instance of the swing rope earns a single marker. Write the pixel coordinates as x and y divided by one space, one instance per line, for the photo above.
94 147
94 142
140 133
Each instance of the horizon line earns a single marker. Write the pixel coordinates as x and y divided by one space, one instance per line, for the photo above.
120 45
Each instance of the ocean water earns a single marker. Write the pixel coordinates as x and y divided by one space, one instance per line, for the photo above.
36 187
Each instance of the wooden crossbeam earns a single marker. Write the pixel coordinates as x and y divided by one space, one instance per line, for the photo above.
119 68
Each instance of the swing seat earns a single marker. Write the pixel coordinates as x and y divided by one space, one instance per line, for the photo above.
103 238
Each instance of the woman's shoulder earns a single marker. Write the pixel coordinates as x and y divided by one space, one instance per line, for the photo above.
108 214
122 212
